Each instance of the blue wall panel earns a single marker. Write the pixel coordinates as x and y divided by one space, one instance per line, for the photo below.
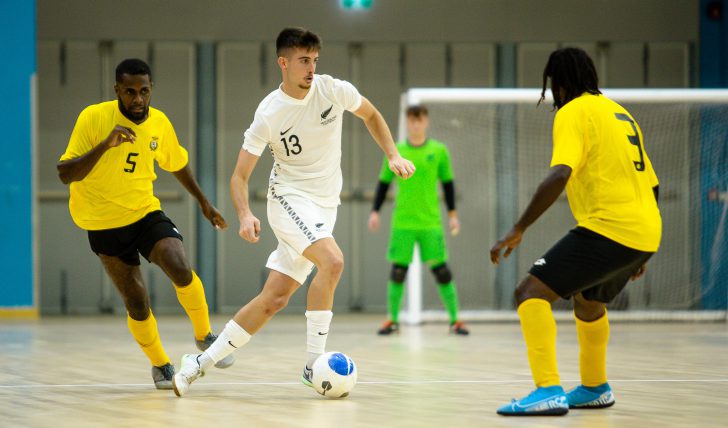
714 156
17 32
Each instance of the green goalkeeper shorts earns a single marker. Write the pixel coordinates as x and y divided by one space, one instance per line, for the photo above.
431 243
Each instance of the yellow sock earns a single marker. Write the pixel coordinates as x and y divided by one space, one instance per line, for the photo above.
192 299
593 338
147 336
539 332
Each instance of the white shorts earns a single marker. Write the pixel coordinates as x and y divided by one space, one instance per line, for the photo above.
297 223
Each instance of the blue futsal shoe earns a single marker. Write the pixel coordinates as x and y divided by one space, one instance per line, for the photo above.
586 397
548 401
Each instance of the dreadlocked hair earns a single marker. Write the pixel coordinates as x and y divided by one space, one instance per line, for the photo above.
570 70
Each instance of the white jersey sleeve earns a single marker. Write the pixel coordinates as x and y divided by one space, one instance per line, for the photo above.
258 135
342 92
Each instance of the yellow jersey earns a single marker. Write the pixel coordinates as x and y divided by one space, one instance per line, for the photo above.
610 188
118 191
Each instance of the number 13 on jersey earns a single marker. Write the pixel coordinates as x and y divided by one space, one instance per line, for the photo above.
291 145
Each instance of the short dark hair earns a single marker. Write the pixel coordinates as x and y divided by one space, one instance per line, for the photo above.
417 111
132 67
296 37
572 70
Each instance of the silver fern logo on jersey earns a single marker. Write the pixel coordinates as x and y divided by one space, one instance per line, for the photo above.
325 114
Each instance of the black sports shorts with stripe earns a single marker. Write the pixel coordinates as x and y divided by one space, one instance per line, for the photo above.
586 262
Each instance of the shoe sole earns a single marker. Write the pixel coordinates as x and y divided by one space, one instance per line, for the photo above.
174 387
164 385
549 412
592 406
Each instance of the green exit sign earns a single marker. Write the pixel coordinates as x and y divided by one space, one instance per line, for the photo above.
357 4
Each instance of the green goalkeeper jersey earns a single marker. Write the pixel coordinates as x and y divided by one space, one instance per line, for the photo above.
416 205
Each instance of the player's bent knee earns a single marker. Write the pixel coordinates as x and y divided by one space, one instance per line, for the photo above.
331 261
335 263
138 309
275 304
398 273
588 310
442 273
181 275
533 288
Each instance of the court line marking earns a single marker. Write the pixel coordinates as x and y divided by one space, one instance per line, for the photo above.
386 382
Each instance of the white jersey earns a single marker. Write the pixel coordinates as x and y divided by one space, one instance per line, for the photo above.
304 137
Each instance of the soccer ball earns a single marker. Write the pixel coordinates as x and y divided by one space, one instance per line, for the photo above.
334 375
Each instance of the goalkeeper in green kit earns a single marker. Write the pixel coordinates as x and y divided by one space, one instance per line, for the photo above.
416 218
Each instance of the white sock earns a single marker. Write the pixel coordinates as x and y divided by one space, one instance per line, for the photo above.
231 338
317 330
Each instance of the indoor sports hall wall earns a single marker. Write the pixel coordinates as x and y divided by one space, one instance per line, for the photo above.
384 51
17 31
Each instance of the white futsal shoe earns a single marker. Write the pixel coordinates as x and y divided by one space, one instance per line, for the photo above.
189 371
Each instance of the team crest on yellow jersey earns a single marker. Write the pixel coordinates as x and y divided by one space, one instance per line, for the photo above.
153 144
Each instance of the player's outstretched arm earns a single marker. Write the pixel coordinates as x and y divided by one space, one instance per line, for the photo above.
546 194
379 130
78 168
211 213
249 224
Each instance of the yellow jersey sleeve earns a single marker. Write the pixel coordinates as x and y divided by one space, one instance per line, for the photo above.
170 155
568 139
84 136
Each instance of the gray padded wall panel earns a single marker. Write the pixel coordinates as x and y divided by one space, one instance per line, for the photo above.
625 65
531 58
473 65
425 65
668 65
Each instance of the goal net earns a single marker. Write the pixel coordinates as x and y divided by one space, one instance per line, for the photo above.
500 145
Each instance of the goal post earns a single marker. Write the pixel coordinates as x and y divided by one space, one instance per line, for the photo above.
500 146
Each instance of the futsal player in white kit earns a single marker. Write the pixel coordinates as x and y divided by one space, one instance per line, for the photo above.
300 122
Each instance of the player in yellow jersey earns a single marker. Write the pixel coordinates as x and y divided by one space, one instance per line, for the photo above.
599 157
109 164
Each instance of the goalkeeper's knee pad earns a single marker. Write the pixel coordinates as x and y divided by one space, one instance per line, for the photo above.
442 274
399 273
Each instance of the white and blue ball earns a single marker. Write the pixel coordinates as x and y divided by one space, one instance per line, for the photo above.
334 374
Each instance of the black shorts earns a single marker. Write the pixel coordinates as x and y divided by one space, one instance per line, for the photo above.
128 242
586 262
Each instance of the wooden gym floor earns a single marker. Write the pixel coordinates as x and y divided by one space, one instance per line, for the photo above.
88 371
